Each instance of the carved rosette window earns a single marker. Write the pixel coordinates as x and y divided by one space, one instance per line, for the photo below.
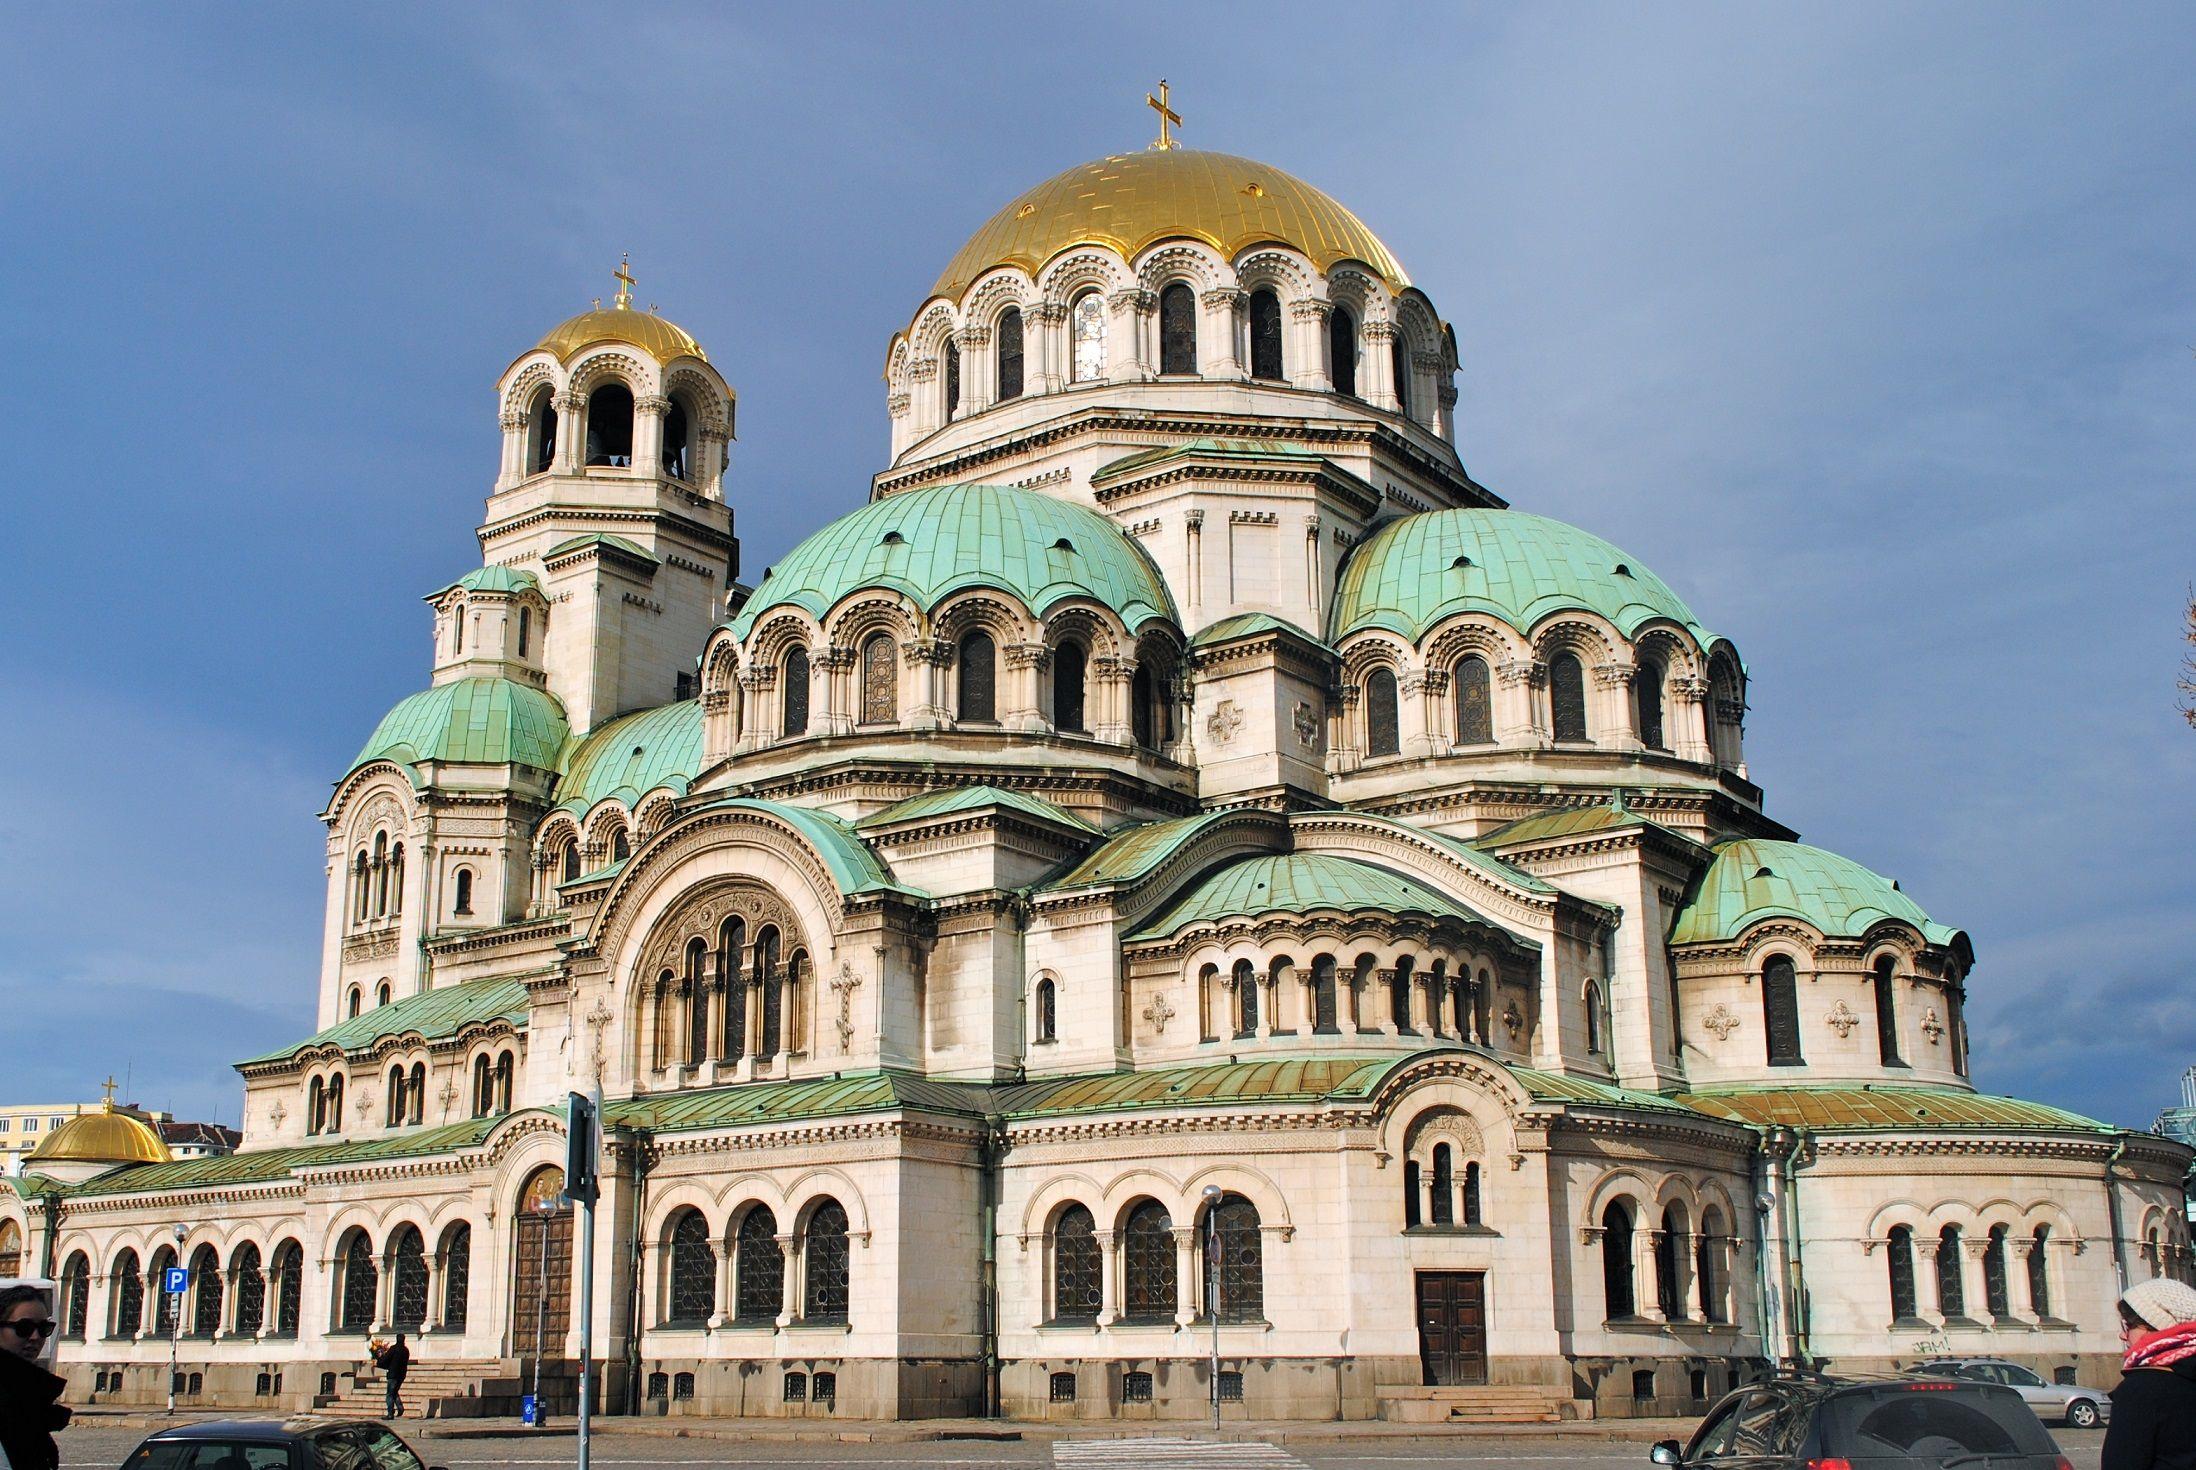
1178 329
1148 1262
1076 1279
1239 1245
760 1264
1087 328
693 1270
880 681
826 1267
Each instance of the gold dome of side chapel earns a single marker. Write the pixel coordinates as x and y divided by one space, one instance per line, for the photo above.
109 1136
619 322
1131 201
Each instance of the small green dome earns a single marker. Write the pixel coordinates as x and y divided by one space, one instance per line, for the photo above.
1299 883
1750 881
632 755
1521 568
480 721
491 579
931 543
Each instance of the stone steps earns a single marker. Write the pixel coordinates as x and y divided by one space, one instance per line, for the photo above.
444 1390
1478 1404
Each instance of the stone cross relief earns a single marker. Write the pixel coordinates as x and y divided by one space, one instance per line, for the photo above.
447 1096
598 1022
1722 1022
277 1113
1842 1020
844 987
1224 721
1931 1026
1159 1013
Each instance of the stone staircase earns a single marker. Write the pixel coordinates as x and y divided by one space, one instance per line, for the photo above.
433 1390
1521 1403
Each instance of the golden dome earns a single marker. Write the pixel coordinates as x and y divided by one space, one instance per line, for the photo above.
105 1137
644 329
1134 200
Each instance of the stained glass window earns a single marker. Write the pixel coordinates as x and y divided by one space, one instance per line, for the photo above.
1323 997
1647 693
1067 687
129 1296
207 1289
1887 1011
251 1290
457 1274
360 1278
1087 325
978 682
1997 1289
2039 1273
1148 1248
880 681
953 378
1567 693
697 1002
1076 1277
825 1263
1342 350
731 935
1383 737
1240 1247
1010 354
1780 1010
75 1295
1048 1018
1616 1261
772 981
289 1286
1178 329
1400 355
794 706
408 1280
760 1263
1951 1290
693 1270
1265 335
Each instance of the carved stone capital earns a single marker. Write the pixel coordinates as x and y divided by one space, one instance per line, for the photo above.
922 369
1222 298
652 404
1380 331
1027 655
970 338
1133 298
1310 309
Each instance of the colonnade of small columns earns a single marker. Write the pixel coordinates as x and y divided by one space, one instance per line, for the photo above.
692 1035
1408 995
725 1267
708 437
1700 1301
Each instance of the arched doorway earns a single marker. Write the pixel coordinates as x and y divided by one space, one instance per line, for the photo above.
541 1254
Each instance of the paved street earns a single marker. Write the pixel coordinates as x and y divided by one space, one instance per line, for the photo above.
1587 1448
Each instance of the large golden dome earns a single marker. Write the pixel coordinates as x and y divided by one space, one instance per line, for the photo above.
105 1137
1134 200
663 340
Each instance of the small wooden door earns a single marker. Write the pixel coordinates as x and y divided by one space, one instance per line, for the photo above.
541 1285
1452 1326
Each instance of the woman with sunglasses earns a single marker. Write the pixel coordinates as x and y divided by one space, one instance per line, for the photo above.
2154 1408
30 1410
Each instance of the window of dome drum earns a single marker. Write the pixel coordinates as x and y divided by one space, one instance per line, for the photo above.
952 377
1087 328
1265 335
610 426
1383 735
1400 358
1246 999
541 434
1474 705
1342 351
1567 697
676 450
1780 1011
1178 330
1647 691
793 710
1009 337
880 681
1885 984
978 676
1067 688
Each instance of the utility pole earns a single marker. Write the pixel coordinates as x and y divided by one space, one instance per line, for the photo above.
582 1154
1212 1289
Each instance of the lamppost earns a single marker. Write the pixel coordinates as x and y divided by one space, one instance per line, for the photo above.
1212 1289
175 1314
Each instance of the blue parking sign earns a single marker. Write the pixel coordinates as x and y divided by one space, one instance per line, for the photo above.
175 1281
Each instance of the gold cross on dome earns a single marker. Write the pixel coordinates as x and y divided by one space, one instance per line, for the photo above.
1167 115
109 1085
626 280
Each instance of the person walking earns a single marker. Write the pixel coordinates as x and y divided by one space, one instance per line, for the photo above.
30 1407
2154 1408
394 1361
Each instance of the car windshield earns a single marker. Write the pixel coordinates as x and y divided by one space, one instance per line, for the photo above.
209 1454
1917 1427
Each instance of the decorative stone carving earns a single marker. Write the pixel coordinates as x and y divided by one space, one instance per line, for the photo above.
1932 1027
844 986
1722 1022
1159 1013
1224 721
1842 1020
1307 726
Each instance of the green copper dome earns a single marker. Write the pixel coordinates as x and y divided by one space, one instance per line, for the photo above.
632 755
1300 883
928 544
480 721
1755 880
1416 571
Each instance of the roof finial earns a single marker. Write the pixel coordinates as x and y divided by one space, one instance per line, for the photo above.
109 1085
1167 115
623 275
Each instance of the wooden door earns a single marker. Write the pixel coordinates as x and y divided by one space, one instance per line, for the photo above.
541 1274
1452 1326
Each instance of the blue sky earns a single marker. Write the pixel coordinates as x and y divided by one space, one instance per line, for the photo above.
1868 327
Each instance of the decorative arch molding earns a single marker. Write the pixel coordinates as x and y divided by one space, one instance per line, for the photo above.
993 295
1254 1184
815 1186
779 634
654 813
1246 832
1067 276
743 1192
870 611
1661 639
1359 289
677 1196
1289 273
1480 633
528 378
1594 639
707 399
1052 1195
982 608
1622 1183
397 781
1355 834
1122 1193
1464 1075
1098 628
700 912
1195 265
609 365
932 329
1440 1121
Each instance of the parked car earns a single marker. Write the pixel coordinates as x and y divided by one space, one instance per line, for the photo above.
2081 1408
1815 1423
303 1443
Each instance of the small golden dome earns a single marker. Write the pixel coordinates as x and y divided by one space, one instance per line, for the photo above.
661 339
108 1136
1134 200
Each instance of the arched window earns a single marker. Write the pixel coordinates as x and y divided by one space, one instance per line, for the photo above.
1593 1019
526 629
357 999
75 1295
731 939
1780 1011
360 1279
760 1263
1647 697
771 978
825 1265
128 1288
1178 329
381 994
1087 329
381 874
793 705
362 888
1399 359
1997 1285
1067 687
1265 335
610 425
1076 1277
1474 702
1239 1292
464 903
953 377
1444 1186
1411 1187
541 434
977 686
1246 998
2039 1273
1342 350
408 1280
1567 695
1399 994
1616 1261
696 985
880 680
335 1100
1323 995
1951 1288
505 1066
396 879
1144 707
484 1087
394 1114
1669 1251
621 846
288 1280
251 1290
1708 1267
457 1274
693 1271
1383 735
676 455
1148 1263
1048 1007
1010 353
1471 1194
1887 1011
316 1106
206 1289
1955 1023
415 1099
457 628
570 866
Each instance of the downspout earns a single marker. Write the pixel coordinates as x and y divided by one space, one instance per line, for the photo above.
990 1150
2112 1212
52 1246
1765 1301
1795 1248
637 1142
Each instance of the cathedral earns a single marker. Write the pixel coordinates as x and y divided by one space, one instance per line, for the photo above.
1186 895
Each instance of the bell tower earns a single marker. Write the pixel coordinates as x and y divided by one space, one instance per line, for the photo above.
616 434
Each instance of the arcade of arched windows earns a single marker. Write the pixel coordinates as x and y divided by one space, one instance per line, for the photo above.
1668 1253
1142 1268
480 1081
768 1263
1993 1268
376 873
728 983
1444 1172
565 853
611 411
241 1289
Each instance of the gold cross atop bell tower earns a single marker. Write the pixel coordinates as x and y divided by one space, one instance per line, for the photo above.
1167 115
626 280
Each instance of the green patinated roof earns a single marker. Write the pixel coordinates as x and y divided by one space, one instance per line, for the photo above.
257 1166
443 1011
1556 1087
1306 1079
491 579
1517 567
1209 448
1299 883
485 721
854 868
1565 822
782 1102
970 798
1248 625
930 543
632 755
1880 1107
1752 880
1134 851
600 538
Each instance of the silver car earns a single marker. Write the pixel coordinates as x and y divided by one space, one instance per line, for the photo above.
2077 1407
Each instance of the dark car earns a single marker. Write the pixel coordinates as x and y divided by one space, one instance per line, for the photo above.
304 1443
1807 1423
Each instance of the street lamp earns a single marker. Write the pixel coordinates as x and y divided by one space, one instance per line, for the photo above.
175 1314
1212 1289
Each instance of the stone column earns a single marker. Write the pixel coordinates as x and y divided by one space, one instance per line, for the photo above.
1044 347
1109 1277
1305 356
789 1299
571 433
513 423
1314 582
1344 754
1194 524
1127 360
751 1001
979 369
897 406
1189 1292
1613 722
1216 334
1445 415
1519 719
648 415
1646 1285
1350 992
1384 987
1685 720
1376 371
1024 705
720 1272
1418 704
1110 679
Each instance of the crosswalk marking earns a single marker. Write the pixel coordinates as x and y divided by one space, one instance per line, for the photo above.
1168 1453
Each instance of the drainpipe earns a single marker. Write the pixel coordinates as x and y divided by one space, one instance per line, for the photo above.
1796 1242
990 1149
637 1142
1765 1301
2112 1211
51 1248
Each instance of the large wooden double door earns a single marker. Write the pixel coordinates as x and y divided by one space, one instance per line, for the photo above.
1452 1326
541 1272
